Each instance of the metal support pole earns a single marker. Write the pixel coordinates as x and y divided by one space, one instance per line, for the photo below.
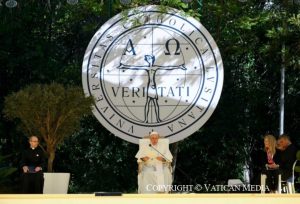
282 71
109 8
199 6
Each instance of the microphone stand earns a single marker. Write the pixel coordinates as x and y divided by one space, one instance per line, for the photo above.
150 145
183 172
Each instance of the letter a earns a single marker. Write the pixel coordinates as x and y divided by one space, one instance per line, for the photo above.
129 48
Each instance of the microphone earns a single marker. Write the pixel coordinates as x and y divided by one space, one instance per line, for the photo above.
150 145
108 193
177 167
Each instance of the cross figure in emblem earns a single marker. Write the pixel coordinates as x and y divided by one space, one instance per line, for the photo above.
151 91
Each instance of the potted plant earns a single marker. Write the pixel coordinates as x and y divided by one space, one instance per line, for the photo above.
50 111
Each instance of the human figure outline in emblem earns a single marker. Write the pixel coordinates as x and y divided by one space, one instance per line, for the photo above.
151 70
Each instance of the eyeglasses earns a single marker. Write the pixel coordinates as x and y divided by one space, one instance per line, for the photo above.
34 141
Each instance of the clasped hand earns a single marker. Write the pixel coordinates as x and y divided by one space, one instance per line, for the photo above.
273 166
26 169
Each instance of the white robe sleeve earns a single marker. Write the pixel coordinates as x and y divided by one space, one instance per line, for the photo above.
164 149
143 144
140 154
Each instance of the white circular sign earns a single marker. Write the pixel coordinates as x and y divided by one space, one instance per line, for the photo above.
153 70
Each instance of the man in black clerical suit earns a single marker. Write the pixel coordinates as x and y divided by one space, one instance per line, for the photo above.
32 164
287 157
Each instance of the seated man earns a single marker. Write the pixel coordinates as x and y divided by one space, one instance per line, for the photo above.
32 164
287 157
154 158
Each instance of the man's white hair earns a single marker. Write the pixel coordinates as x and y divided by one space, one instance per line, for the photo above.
154 133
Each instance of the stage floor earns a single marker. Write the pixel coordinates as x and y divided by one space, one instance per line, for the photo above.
150 199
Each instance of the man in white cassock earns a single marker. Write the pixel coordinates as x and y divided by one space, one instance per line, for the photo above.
154 159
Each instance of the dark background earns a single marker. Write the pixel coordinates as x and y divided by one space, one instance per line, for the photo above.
44 43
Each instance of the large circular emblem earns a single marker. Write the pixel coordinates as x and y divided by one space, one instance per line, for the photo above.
153 70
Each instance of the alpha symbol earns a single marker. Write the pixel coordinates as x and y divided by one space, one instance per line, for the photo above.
129 48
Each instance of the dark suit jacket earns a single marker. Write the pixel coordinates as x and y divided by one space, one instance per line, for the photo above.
287 159
33 158
264 160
